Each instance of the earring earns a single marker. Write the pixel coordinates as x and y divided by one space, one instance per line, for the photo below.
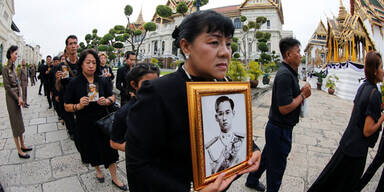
186 56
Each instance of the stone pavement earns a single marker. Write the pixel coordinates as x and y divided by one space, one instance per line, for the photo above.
55 164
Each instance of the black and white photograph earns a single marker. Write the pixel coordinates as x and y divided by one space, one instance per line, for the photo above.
225 128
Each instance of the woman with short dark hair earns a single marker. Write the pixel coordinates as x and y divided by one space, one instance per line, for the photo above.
137 75
88 96
14 102
158 152
346 166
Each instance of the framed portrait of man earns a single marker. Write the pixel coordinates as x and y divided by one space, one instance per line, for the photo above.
220 118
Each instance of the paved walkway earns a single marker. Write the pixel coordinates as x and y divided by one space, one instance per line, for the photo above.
55 164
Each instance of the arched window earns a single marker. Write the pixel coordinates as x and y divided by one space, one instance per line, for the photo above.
162 47
174 49
237 23
155 48
1 53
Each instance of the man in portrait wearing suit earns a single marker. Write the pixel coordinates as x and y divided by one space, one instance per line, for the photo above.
223 150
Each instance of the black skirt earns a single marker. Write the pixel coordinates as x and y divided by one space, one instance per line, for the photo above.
342 173
94 145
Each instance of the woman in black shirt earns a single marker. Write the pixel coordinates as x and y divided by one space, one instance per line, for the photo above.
158 153
347 164
88 95
138 74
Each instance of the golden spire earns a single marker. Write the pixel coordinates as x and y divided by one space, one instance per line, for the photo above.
140 19
342 13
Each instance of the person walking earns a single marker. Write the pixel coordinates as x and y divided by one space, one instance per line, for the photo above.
22 74
121 83
41 73
158 149
346 166
14 102
32 75
67 70
138 74
88 96
287 98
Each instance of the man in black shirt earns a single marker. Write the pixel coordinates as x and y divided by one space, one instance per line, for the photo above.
121 84
40 70
45 77
67 70
283 116
54 92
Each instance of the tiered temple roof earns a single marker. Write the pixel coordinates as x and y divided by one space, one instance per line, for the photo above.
347 38
373 10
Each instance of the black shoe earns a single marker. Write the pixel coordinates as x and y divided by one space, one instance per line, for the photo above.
123 187
258 187
26 106
72 137
26 156
26 150
40 94
101 179
50 107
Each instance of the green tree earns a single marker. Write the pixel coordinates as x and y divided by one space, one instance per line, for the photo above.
131 33
163 11
254 70
250 33
236 70
202 3
182 8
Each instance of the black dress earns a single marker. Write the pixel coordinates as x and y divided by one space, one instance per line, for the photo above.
94 145
158 150
344 170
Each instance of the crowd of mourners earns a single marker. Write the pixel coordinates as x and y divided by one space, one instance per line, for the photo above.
152 124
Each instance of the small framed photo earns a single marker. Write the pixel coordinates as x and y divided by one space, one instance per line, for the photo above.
220 121
65 71
93 93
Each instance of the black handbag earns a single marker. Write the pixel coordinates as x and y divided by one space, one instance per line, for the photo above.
105 124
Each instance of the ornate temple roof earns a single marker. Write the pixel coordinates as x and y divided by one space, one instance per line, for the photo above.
369 9
276 4
319 37
172 4
140 19
230 11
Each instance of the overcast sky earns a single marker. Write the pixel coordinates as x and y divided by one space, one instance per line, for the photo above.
48 23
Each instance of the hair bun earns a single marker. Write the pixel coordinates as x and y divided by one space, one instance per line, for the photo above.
176 32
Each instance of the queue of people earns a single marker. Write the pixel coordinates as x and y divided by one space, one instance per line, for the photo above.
152 125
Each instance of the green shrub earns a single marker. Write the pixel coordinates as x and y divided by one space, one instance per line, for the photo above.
254 70
237 71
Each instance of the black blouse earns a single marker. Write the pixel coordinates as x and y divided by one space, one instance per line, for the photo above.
367 102
78 88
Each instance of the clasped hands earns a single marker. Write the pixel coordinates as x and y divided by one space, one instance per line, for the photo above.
84 101
220 183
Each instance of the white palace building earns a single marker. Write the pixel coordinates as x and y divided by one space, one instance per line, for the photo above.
9 35
158 44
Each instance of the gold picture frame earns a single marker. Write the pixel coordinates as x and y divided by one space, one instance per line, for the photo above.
202 99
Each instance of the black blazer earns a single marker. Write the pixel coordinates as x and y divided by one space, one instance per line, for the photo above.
158 150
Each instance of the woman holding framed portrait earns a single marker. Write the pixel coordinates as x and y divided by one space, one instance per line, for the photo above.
88 95
158 145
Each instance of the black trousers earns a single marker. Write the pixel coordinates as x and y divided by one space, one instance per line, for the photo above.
373 167
41 85
341 173
48 94
57 106
274 157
